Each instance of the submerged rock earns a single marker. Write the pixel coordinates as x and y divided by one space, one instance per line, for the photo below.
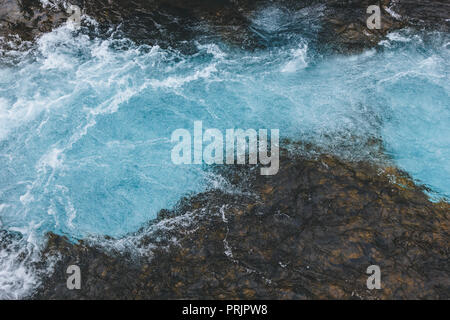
309 232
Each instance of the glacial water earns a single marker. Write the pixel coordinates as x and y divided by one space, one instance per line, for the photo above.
85 127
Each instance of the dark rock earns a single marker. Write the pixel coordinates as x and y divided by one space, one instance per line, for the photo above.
172 23
308 232
28 19
432 14
345 29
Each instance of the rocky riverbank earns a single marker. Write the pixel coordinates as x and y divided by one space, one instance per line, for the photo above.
309 232
342 24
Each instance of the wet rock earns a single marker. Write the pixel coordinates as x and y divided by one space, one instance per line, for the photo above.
308 232
173 23
345 21
28 18
345 25
432 14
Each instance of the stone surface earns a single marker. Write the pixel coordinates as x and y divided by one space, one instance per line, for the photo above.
309 232
172 23
28 19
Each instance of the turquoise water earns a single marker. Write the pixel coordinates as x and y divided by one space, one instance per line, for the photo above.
85 128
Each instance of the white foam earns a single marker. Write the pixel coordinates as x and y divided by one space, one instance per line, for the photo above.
177 81
72 214
17 275
52 159
391 11
298 61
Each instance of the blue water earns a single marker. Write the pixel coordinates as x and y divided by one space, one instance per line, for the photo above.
85 128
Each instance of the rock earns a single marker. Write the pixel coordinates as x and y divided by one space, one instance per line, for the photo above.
433 14
309 232
28 19
173 23
345 27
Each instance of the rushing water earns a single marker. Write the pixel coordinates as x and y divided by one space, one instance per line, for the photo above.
85 128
